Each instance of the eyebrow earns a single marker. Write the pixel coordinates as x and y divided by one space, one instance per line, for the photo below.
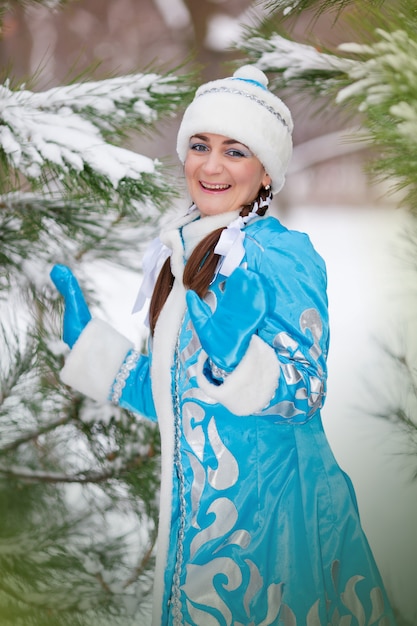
227 142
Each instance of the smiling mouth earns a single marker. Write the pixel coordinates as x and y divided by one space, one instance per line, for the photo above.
214 187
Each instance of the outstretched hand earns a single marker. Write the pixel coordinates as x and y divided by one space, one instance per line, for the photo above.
225 334
76 314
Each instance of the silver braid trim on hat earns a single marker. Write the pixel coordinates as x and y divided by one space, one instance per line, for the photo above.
238 92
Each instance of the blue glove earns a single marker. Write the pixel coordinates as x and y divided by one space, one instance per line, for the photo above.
77 314
226 333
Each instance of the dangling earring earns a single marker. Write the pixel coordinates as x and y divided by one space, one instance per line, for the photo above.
267 187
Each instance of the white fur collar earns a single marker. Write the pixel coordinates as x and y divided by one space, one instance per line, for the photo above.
195 228
194 232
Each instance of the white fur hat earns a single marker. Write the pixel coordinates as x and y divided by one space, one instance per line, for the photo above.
241 107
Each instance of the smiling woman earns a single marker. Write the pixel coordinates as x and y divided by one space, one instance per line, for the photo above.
258 523
222 174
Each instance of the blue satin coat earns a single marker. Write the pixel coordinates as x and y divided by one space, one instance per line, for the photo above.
263 527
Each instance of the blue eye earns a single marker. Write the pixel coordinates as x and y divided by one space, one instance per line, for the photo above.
198 147
233 152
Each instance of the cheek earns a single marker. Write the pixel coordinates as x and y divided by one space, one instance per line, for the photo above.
189 168
251 179
187 175
186 166
252 172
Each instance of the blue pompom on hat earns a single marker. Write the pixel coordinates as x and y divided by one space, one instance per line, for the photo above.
242 107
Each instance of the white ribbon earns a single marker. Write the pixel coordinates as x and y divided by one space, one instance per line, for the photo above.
155 256
153 259
230 245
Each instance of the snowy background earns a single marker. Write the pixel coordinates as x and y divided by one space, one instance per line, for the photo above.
354 226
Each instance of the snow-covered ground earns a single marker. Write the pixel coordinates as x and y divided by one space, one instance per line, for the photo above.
371 304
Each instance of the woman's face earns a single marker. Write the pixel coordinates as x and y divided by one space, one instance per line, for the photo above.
222 174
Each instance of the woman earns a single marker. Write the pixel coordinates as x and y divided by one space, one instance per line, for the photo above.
258 524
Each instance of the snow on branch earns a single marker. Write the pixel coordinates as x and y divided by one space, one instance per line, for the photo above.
66 130
389 70
30 436
83 477
288 7
32 139
112 102
27 474
383 71
377 79
294 59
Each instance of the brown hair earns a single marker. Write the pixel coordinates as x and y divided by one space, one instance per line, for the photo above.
200 267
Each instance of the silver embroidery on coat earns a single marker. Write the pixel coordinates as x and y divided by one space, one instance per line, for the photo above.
311 320
225 517
227 471
119 384
288 347
176 605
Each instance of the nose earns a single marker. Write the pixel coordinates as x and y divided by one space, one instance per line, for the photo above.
212 163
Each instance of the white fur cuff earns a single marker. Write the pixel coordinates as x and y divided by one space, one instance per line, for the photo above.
251 386
95 359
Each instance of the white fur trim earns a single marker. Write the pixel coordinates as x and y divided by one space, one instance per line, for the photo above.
193 233
251 385
95 359
196 231
172 239
163 351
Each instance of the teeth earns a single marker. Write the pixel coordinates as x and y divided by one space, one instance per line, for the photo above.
214 187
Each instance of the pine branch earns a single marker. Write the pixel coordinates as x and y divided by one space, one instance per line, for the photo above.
291 7
376 79
37 231
296 65
83 477
384 90
61 135
30 436
28 475
142 565
12 371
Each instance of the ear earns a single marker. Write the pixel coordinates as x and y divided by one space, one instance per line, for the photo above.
266 180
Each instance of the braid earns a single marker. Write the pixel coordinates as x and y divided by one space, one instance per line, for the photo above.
201 266
160 293
260 204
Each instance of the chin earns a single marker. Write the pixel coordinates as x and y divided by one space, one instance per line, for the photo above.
211 211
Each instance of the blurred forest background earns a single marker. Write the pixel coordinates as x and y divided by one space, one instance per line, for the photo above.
55 45
356 225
